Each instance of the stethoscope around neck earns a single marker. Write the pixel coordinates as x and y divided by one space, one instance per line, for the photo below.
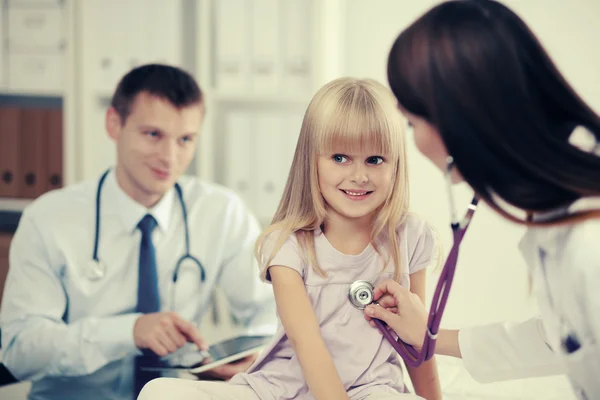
361 292
97 268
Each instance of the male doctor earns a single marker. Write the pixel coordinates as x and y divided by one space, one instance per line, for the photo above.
77 328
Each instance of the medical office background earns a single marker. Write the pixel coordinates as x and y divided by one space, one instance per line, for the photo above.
259 62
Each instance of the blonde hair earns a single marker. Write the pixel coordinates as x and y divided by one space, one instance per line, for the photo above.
349 116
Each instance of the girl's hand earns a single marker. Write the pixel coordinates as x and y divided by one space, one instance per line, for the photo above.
402 310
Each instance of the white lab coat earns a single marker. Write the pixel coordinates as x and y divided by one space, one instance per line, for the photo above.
564 263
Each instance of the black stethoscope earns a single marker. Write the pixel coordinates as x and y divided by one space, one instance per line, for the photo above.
97 268
361 292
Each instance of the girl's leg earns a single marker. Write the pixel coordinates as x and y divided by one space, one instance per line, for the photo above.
391 396
384 393
185 389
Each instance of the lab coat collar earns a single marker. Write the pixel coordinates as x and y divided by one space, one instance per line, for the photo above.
131 212
547 237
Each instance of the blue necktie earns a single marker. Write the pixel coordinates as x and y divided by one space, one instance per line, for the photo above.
148 298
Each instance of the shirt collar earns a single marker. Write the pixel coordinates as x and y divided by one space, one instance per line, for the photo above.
130 212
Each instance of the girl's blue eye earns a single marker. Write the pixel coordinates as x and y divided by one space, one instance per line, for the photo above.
152 134
375 160
339 158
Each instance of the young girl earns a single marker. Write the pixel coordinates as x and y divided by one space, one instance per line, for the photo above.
343 217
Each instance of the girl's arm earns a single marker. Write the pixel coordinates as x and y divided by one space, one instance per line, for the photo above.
302 329
424 378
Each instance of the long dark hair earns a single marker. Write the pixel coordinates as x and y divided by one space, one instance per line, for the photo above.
475 71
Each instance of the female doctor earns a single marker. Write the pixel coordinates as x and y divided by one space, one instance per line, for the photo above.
486 102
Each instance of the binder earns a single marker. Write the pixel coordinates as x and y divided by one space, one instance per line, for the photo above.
232 31
53 178
10 120
290 131
164 41
269 182
32 155
265 47
238 145
296 46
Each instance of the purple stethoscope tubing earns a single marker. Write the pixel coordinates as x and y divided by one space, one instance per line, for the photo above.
413 357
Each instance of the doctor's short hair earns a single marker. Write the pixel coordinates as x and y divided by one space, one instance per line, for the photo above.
346 116
167 82
477 73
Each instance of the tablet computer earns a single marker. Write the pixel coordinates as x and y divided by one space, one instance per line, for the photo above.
189 358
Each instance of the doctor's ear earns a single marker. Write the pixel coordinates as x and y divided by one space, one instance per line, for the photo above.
113 123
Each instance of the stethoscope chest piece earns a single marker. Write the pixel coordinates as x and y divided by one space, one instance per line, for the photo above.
361 294
96 270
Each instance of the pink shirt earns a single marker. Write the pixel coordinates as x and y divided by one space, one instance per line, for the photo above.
365 361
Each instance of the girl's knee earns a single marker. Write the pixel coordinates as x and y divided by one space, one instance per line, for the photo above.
157 389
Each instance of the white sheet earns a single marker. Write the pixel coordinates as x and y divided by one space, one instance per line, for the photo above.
457 384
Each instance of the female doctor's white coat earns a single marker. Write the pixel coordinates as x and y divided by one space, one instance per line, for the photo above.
564 263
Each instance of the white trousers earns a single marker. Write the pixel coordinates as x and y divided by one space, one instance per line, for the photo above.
184 389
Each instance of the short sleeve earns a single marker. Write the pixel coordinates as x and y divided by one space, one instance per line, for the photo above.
422 246
288 255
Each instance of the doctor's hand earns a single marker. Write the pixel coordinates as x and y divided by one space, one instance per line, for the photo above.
165 332
402 310
227 371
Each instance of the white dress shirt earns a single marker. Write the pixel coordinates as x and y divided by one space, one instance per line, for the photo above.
72 335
